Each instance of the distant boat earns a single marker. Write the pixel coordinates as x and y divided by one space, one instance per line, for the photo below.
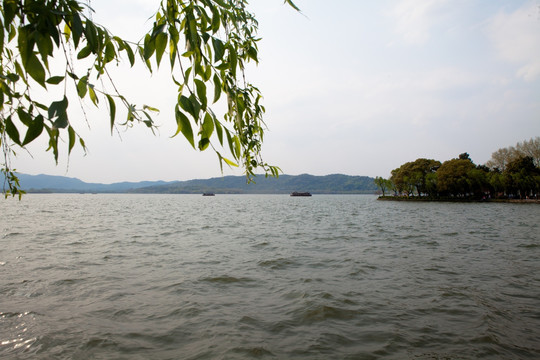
295 193
208 194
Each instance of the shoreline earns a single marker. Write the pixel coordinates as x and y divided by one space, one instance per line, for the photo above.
458 200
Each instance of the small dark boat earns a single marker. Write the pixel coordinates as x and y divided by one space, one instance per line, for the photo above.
208 194
295 193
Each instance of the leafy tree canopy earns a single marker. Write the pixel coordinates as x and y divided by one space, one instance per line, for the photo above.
503 156
460 177
207 44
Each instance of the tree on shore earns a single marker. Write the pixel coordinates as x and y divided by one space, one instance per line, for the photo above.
522 177
503 156
415 175
452 177
510 173
383 184
530 148
207 44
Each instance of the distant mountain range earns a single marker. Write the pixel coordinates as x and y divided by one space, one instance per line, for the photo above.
329 184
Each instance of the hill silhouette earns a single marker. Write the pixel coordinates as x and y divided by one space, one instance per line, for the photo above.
328 184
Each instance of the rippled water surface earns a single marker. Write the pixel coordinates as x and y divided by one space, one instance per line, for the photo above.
267 276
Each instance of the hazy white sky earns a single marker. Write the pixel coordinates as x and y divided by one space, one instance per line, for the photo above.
357 87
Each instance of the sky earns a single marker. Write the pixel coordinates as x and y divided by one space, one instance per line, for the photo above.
357 87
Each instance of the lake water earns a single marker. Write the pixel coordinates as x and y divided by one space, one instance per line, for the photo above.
267 277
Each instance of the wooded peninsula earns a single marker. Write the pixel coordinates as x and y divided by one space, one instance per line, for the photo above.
512 174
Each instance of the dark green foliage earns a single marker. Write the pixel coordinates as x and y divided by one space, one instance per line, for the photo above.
414 175
461 178
453 177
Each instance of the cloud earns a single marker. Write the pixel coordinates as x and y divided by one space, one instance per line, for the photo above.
415 19
516 38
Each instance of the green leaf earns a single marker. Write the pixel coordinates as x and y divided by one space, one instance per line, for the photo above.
237 147
130 54
233 60
25 117
217 88
229 162
58 110
184 126
83 145
207 73
55 80
91 35
150 108
76 29
45 47
193 32
1 36
20 71
67 31
207 126
223 4
149 47
53 142
216 21
219 131
72 139
201 92
161 44
13 77
230 141
196 107
85 51
186 105
35 69
173 45
12 131
203 144
291 4
110 53
92 93
252 53
219 49
112 109
82 87
187 72
34 130
73 76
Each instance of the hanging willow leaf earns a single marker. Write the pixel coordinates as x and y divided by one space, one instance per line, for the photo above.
34 130
161 44
201 92
292 4
72 138
219 131
219 49
110 53
230 163
112 110
35 69
84 52
12 131
82 87
186 105
55 80
92 93
184 126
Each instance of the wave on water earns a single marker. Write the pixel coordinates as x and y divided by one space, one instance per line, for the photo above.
267 277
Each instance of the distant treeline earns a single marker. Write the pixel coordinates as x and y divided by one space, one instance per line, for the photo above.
285 184
512 172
